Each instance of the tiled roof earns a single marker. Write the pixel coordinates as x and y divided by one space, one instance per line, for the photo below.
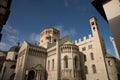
33 45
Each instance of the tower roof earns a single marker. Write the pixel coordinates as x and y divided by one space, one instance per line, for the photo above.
67 43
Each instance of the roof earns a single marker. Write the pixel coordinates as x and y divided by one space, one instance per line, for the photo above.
109 56
14 48
49 27
39 67
34 45
67 43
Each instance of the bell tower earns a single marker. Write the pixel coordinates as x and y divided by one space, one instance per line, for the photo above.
48 36
94 26
99 50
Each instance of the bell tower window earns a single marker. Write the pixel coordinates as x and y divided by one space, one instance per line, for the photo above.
92 23
94 28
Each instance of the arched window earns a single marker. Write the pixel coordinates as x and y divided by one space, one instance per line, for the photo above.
86 70
31 75
92 56
85 59
48 64
109 63
94 68
65 62
13 66
12 76
52 63
75 61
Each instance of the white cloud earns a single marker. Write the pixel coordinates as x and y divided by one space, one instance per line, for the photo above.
34 37
10 37
66 4
109 51
4 46
63 32
10 34
71 2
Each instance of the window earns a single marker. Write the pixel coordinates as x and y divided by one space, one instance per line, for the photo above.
92 23
54 40
65 62
16 57
85 59
86 70
83 49
52 63
75 61
90 46
48 64
94 68
94 28
13 67
109 63
92 56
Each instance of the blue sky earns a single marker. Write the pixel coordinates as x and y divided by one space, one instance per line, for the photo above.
29 17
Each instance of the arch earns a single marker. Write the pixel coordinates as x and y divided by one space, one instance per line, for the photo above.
65 61
92 56
94 68
31 75
109 63
86 70
12 76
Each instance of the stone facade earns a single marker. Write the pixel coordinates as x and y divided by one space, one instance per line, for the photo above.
9 65
2 58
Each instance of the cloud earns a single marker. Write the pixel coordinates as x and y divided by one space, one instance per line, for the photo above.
9 37
69 32
34 37
10 34
4 46
66 4
109 51
71 2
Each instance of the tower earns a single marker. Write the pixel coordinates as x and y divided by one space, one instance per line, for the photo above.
47 36
99 52
94 26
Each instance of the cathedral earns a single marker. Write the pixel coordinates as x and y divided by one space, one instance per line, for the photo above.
55 58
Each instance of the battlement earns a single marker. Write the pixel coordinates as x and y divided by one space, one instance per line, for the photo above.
84 38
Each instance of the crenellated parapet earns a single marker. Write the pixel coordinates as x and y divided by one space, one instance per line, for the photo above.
84 39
